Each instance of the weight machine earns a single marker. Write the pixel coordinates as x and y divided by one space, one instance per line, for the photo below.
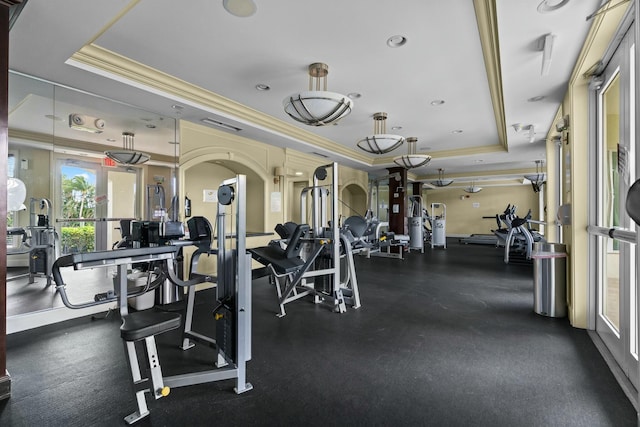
39 240
232 313
438 221
416 223
311 264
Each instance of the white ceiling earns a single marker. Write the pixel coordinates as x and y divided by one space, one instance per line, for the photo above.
200 43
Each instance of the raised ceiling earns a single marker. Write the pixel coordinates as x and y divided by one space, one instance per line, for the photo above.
161 53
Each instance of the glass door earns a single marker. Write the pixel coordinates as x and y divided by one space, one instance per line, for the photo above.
615 254
93 199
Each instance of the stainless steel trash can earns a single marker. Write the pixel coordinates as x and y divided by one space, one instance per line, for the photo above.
549 279
168 293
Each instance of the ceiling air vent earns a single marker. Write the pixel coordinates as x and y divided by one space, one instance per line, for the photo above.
220 125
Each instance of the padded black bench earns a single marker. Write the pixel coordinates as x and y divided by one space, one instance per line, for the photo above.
286 265
283 261
142 324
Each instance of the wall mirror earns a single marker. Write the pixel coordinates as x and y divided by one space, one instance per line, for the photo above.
66 195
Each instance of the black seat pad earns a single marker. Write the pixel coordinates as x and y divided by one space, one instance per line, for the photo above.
277 258
142 324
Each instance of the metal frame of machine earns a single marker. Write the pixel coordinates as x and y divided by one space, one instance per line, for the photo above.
317 271
232 313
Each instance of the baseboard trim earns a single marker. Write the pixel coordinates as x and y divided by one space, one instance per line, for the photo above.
628 388
37 319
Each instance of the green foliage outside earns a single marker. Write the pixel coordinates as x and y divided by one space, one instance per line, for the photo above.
78 197
77 239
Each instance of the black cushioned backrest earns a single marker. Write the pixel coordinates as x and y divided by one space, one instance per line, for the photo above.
633 202
125 228
199 228
286 230
295 242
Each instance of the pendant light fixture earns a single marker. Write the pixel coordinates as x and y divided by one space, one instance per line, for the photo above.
411 159
380 142
537 179
317 106
472 188
441 182
127 156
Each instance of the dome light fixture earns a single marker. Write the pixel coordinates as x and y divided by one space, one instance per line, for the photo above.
538 179
380 142
411 159
317 106
441 182
127 156
473 188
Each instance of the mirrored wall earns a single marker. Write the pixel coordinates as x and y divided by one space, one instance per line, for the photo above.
66 195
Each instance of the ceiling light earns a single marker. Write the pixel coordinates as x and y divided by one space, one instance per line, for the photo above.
396 41
550 5
411 159
317 107
262 86
441 182
472 188
127 156
240 8
547 50
177 107
437 102
457 131
221 125
538 179
396 127
531 131
380 142
354 95
536 98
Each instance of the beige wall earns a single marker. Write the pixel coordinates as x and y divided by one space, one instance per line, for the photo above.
208 156
465 211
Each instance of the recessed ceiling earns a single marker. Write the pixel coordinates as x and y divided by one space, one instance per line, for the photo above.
439 57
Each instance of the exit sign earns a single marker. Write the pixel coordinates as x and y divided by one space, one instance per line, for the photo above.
108 162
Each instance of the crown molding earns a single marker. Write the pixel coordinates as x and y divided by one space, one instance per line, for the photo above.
487 19
94 58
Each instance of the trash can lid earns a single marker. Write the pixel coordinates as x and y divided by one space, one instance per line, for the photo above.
541 255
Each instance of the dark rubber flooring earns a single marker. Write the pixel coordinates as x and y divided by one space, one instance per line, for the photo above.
444 338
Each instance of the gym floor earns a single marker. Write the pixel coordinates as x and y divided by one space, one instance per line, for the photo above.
444 338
